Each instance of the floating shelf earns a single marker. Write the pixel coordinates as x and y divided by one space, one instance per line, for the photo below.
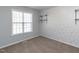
76 15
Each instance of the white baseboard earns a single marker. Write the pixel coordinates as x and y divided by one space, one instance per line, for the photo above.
10 44
34 37
61 41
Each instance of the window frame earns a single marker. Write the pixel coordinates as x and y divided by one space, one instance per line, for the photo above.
23 30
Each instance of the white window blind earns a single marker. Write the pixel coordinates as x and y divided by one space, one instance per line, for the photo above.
27 22
21 22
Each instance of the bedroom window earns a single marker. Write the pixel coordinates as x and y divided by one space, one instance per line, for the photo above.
21 22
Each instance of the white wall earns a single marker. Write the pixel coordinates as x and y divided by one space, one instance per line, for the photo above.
61 25
6 26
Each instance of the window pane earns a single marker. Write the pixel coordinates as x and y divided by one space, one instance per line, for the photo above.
16 16
27 27
17 28
27 17
27 30
21 22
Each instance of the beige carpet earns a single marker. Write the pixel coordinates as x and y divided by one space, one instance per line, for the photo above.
40 45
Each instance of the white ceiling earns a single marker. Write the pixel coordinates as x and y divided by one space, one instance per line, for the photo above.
40 7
